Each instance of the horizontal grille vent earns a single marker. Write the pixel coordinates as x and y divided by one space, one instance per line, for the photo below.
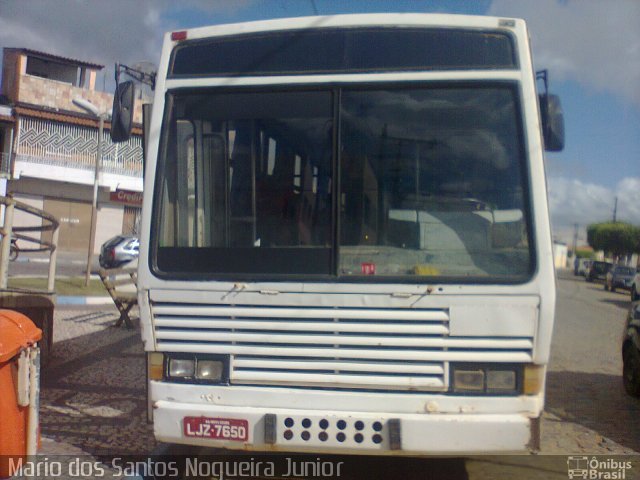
330 347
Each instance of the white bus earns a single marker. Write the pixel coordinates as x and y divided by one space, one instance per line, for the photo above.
345 238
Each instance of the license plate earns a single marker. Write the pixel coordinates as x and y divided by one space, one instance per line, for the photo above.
216 428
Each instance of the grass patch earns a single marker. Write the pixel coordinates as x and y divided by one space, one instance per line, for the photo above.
63 286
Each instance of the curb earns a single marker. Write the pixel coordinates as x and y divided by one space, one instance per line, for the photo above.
45 260
77 300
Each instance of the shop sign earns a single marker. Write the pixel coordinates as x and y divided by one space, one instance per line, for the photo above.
127 197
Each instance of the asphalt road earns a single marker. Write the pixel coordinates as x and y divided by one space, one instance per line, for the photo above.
68 264
587 410
93 397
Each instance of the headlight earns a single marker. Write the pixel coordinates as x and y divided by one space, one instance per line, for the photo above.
468 380
197 368
181 368
501 380
209 370
486 379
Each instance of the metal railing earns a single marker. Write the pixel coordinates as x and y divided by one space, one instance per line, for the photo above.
119 167
62 144
49 223
5 165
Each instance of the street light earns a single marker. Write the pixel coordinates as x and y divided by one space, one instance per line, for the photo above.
89 107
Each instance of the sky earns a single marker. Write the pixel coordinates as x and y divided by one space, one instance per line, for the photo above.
590 47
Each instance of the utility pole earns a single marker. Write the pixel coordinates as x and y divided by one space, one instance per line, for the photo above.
101 116
94 203
615 210
575 240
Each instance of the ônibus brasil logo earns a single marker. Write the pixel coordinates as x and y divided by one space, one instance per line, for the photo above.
597 468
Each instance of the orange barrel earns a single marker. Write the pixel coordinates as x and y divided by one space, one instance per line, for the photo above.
17 335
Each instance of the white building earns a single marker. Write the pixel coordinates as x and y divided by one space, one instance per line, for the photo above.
560 255
49 146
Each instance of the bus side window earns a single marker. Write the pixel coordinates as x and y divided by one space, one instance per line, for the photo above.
215 190
242 189
281 191
178 216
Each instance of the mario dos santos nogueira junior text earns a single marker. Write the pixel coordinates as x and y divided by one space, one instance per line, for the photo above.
187 466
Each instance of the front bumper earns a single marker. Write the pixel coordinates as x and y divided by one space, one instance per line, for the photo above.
352 432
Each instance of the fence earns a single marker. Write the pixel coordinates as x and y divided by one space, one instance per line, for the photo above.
47 223
5 165
66 145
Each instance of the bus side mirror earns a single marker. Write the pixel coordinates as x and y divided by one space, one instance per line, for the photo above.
552 122
122 114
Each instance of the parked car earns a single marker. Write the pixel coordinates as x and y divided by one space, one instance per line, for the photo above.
119 250
631 351
598 271
635 288
619 276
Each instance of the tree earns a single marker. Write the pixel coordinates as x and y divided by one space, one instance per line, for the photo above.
616 238
585 253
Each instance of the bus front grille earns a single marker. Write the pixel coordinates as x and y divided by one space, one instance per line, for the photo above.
346 348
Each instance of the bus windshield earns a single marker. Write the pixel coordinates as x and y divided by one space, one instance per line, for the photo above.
383 183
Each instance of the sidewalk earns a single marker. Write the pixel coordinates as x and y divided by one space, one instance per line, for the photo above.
83 300
92 400
93 390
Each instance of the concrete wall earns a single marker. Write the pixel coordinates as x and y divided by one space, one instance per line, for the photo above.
58 190
109 224
29 172
11 62
53 94
45 92
110 217
24 219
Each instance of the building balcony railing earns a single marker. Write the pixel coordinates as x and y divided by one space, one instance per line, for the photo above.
5 165
115 166
54 143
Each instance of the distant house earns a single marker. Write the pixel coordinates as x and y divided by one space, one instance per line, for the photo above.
560 254
49 144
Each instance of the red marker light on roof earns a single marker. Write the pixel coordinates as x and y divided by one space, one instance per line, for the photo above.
177 36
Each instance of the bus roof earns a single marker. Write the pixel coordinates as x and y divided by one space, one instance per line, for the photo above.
350 20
